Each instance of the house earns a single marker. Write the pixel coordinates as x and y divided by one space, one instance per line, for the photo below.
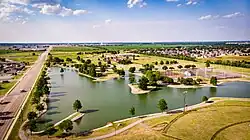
188 74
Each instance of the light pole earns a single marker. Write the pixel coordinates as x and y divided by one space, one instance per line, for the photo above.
184 106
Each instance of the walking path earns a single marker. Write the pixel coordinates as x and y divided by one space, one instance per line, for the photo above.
203 104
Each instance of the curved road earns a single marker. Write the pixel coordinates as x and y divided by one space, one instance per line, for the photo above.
12 102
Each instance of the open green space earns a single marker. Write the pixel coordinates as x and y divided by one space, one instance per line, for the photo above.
200 123
20 56
5 87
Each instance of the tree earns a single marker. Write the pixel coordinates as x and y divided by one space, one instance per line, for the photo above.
99 63
164 67
132 69
35 100
143 83
77 105
131 79
61 70
50 130
171 68
32 126
213 81
193 66
66 125
204 98
180 66
121 72
40 107
68 59
199 80
161 62
88 61
132 111
162 105
156 63
78 58
33 54
207 64
167 62
31 115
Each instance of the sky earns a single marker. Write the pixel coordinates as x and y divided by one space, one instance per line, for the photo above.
50 21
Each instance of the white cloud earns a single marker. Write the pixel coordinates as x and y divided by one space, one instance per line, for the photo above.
140 3
79 12
108 21
236 14
179 5
58 10
209 17
9 12
172 0
191 2
22 2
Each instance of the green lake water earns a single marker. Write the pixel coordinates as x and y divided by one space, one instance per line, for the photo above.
111 100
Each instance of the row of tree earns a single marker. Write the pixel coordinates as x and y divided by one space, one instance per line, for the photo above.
243 63
177 56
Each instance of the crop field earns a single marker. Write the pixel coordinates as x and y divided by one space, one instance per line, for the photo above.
73 49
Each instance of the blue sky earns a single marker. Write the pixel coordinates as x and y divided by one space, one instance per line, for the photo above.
123 20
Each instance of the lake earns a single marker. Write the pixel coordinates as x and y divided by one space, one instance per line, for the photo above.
111 100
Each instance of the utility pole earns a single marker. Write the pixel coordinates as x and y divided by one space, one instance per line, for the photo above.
184 95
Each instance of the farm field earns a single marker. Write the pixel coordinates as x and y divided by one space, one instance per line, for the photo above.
73 49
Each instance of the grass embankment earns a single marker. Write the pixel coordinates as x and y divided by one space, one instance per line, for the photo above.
227 119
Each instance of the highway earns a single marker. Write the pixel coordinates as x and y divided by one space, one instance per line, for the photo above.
12 102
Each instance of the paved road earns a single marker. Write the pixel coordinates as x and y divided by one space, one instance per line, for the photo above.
11 103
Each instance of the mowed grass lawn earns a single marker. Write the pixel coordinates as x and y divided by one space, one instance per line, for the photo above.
144 59
205 122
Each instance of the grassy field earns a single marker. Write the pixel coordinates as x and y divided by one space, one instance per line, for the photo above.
73 49
6 87
144 59
229 57
22 56
202 123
